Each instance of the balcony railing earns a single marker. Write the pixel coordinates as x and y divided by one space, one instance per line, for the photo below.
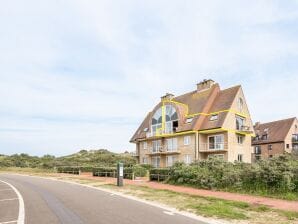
159 132
162 150
213 147
244 128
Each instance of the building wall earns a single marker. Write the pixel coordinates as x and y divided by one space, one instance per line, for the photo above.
288 139
182 149
235 149
277 148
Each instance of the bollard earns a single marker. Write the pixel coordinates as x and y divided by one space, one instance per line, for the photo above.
120 174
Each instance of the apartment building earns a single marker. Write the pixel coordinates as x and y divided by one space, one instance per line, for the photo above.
206 122
275 138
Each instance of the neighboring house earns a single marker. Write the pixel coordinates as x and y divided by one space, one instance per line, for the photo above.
207 122
275 138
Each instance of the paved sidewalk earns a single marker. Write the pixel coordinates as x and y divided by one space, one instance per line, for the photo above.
271 202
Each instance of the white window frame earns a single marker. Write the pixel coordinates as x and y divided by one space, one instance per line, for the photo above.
241 124
187 140
145 145
170 160
221 156
155 161
187 159
213 117
172 144
156 145
242 139
216 144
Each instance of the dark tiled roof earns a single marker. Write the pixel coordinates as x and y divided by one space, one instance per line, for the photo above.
207 101
276 131
223 101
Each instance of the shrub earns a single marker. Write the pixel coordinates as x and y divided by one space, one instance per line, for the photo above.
159 174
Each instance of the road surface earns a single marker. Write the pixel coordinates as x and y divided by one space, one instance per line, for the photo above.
49 201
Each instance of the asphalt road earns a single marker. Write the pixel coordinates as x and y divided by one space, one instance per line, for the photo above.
50 201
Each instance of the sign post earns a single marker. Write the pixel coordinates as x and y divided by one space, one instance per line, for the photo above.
120 174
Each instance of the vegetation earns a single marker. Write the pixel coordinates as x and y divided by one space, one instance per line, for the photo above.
85 159
276 176
209 206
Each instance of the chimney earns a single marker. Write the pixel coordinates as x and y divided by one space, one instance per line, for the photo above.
168 96
205 84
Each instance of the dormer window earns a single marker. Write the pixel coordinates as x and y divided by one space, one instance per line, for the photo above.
189 120
213 117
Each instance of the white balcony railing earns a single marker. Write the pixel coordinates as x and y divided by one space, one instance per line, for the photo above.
212 147
162 149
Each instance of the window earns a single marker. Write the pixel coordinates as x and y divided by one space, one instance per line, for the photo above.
240 158
264 137
219 156
145 160
155 161
257 149
144 145
240 104
186 140
172 144
258 157
240 139
146 129
288 146
213 117
187 159
170 160
270 156
216 142
166 115
189 120
239 123
269 147
156 146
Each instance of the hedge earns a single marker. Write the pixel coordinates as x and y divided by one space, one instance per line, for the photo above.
159 174
276 175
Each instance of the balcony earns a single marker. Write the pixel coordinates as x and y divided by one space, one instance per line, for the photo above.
162 151
245 129
213 147
295 138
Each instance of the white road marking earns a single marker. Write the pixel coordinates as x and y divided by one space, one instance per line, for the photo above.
9 199
21 217
8 189
168 213
9 222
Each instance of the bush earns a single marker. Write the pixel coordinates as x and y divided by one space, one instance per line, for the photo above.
277 175
159 174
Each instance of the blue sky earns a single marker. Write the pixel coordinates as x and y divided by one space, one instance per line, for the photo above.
82 74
